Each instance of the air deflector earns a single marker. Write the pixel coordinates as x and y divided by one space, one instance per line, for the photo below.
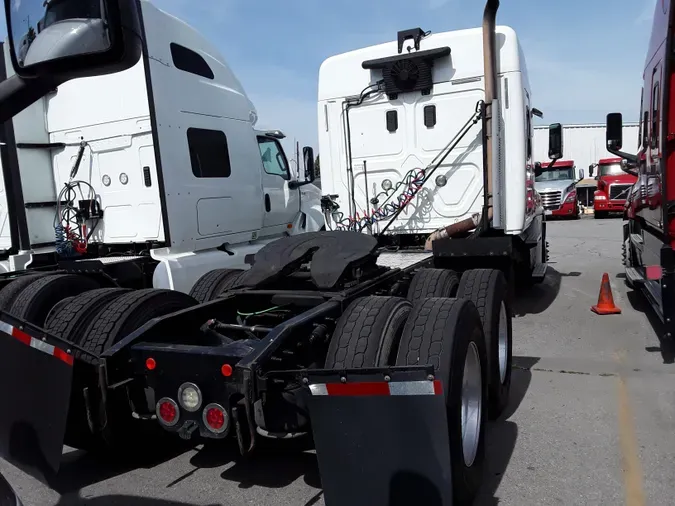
407 73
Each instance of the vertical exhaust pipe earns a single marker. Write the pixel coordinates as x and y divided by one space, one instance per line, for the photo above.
490 65
490 71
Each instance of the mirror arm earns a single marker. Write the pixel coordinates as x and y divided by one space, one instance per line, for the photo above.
626 156
16 94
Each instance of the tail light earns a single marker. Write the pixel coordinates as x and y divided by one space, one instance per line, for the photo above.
167 412
215 418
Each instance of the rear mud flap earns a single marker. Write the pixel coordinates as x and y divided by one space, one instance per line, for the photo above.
381 443
36 379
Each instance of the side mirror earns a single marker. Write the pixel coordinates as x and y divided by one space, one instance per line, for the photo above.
582 175
615 131
538 169
591 169
50 44
308 157
555 141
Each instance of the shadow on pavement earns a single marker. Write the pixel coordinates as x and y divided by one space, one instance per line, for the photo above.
503 434
121 500
80 469
666 346
538 298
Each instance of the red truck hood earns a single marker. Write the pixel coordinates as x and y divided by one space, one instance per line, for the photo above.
622 178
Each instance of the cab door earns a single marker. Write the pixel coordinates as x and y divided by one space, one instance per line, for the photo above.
282 204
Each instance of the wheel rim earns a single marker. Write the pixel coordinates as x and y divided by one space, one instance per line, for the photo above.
472 404
503 343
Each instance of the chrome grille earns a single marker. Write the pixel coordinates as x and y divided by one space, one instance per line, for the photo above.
619 191
551 200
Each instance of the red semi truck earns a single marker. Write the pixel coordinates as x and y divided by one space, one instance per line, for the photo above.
557 188
614 186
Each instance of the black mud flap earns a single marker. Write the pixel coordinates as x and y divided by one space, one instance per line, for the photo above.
37 379
381 437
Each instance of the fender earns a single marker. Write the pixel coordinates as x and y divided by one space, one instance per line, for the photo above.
310 210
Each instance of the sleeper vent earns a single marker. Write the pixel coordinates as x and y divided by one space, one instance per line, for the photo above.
407 73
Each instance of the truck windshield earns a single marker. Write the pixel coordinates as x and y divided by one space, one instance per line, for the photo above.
556 175
610 170
59 10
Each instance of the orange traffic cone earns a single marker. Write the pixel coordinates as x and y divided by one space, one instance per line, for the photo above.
605 300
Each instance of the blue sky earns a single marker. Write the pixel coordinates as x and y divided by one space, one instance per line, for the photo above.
585 58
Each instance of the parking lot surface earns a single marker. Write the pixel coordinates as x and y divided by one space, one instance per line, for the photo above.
591 419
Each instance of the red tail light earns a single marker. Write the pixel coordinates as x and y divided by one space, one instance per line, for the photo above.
167 412
215 418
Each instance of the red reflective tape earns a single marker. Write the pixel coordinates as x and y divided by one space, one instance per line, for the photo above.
63 356
21 336
358 389
438 387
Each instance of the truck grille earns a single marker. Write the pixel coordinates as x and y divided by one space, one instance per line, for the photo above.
619 191
551 200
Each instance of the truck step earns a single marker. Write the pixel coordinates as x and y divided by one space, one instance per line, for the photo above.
634 276
636 238
539 272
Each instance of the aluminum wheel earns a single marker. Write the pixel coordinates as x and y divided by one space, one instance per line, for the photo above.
503 343
472 404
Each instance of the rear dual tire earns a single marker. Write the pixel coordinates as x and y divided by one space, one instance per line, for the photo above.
446 333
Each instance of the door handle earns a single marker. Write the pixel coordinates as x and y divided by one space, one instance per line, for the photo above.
268 203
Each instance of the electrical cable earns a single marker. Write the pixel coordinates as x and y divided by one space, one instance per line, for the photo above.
70 228
412 183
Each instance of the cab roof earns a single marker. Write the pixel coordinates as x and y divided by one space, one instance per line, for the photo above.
609 161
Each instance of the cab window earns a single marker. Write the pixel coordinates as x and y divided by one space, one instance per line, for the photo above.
273 158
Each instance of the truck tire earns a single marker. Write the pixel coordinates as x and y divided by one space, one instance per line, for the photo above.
367 333
67 320
488 290
35 302
448 334
123 315
214 283
70 317
433 283
9 293
116 320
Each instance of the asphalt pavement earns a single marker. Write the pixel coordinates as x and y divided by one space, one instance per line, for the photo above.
591 419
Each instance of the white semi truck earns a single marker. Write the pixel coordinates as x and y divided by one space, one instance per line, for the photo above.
154 181
388 338
403 149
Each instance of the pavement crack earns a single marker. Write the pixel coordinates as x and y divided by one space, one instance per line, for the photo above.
564 371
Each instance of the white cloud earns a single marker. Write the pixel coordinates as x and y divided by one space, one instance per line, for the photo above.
16 5
435 4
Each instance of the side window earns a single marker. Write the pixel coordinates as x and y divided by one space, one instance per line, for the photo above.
528 134
642 124
189 61
209 154
273 158
656 106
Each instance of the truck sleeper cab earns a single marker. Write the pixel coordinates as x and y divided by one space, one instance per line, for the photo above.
406 145
557 188
649 230
169 168
614 187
